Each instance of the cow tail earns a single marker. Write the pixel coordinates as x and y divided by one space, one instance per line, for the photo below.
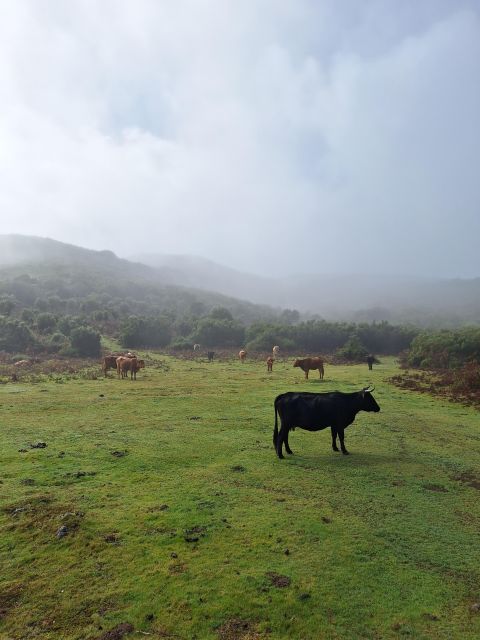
275 429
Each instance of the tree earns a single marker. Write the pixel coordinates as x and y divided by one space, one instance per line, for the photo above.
85 342
220 313
7 305
220 333
46 322
15 335
353 349
145 332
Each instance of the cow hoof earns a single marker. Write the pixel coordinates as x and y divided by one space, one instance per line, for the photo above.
336 449
346 453
290 453
281 456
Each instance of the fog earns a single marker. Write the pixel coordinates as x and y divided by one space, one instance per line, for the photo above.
273 137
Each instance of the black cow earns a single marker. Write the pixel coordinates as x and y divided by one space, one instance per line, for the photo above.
317 411
210 355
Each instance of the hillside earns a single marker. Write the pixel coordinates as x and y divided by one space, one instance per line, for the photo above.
422 301
42 272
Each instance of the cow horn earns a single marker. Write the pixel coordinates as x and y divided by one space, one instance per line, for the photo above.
368 389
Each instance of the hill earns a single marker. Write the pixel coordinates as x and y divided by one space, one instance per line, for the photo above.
55 276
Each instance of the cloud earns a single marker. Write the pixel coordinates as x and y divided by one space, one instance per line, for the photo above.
274 137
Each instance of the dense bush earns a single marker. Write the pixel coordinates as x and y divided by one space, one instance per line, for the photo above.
353 350
320 336
46 322
15 335
221 333
182 344
445 349
7 305
146 332
85 341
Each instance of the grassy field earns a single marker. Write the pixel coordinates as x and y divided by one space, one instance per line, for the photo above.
181 521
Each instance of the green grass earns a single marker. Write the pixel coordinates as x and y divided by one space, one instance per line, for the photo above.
383 543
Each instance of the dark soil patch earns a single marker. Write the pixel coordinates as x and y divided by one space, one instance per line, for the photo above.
435 487
430 616
119 454
198 529
277 580
112 538
38 445
177 568
79 474
238 468
9 596
117 632
469 479
160 507
237 629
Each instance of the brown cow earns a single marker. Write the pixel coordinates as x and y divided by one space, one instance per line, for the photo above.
242 355
308 364
109 362
124 365
270 362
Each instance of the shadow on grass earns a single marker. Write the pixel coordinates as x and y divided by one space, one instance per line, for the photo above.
336 460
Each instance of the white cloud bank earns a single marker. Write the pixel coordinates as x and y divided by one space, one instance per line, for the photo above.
272 136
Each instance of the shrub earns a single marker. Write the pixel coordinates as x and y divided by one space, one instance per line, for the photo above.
221 333
85 341
182 344
145 332
353 349
15 336
46 322
445 349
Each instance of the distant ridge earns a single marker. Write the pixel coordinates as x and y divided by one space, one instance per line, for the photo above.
354 297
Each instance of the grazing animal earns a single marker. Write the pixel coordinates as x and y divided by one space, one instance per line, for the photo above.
276 351
210 355
370 361
242 355
124 365
317 411
196 347
109 362
270 362
308 364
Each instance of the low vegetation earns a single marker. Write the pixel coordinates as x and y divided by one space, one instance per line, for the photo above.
444 363
159 507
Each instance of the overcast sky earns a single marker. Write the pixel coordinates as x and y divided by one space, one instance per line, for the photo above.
274 136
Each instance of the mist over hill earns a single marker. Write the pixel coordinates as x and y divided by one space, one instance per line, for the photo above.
369 298
33 269
153 283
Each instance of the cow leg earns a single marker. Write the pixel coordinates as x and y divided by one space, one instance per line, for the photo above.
342 441
281 440
306 374
334 439
287 448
